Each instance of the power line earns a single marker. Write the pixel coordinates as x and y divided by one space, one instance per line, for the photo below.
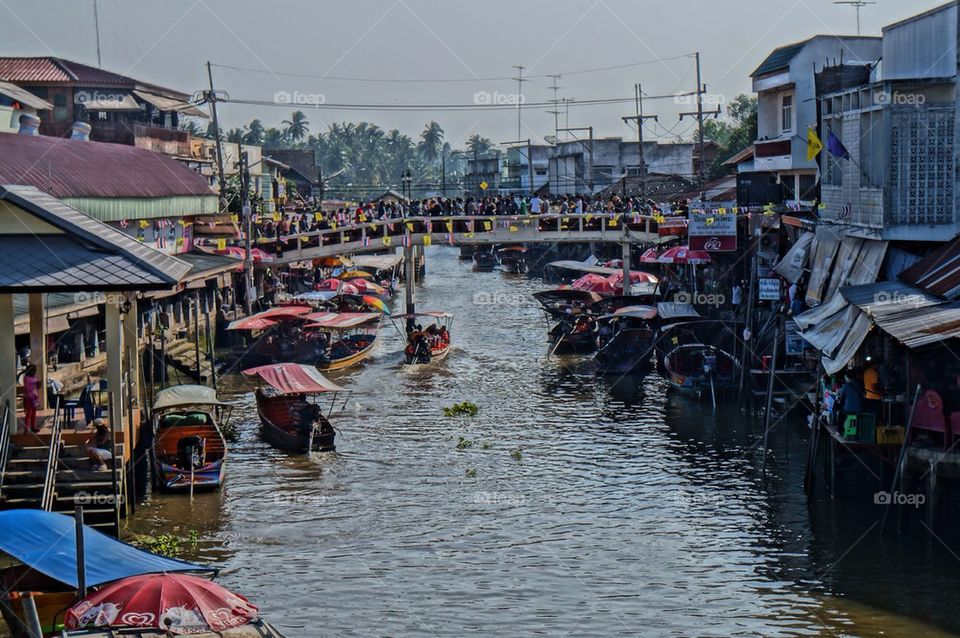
340 78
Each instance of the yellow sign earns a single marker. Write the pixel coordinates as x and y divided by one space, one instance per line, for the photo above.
487 226
221 244
483 186
234 218
427 240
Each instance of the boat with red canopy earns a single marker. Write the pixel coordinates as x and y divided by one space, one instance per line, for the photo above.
288 420
343 338
430 344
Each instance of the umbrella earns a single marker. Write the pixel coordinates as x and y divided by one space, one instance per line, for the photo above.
177 603
332 262
329 284
594 283
636 277
355 274
650 256
367 287
683 255
376 303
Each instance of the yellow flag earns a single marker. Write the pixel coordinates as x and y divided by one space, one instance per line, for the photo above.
814 145
318 217
487 226
469 235
234 218
221 244
410 226
144 223
276 217
514 229
386 240
449 226
709 220
427 240
588 218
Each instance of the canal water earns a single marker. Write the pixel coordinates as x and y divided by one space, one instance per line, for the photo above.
569 506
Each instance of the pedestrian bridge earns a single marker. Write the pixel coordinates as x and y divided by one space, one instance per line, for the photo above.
461 230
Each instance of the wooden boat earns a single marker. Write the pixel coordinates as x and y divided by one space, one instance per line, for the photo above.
626 340
700 369
512 259
342 339
288 421
573 334
467 251
559 302
430 344
484 260
189 450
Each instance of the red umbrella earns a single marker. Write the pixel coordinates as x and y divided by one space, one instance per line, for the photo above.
636 277
594 283
683 255
239 253
338 286
177 603
650 256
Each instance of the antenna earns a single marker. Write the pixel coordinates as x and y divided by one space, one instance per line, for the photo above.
556 111
96 24
856 4
520 82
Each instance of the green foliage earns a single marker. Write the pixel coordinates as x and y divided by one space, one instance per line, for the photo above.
169 545
461 409
517 455
732 135
463 444
486 445
229 429
471 472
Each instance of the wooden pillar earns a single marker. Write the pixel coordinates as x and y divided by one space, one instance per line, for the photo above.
8 355
131 348
38 343
409 276
114 337
625 255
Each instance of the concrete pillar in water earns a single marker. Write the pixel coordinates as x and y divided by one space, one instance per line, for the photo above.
114 324
626 257
410 277
38 343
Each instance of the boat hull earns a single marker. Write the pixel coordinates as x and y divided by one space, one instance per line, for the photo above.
172 442
272 409
435 357
347 361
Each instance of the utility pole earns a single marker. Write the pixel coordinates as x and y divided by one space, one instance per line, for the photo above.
212 98
443 175
556 104
247 231
639 118
96 24
699 114
520 82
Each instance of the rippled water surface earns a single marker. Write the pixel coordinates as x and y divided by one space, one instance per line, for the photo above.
580 507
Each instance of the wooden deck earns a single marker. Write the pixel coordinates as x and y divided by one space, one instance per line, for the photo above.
74 433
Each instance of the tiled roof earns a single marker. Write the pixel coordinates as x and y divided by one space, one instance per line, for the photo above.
75 168
89 255
58 70
779 59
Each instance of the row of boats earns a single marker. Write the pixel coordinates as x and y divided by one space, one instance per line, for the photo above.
286 350
636 334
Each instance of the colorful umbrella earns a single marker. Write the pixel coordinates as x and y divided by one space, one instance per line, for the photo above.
650 256
636 277
332 262
355 274
176 603
367 287
683 255
377 303
594 283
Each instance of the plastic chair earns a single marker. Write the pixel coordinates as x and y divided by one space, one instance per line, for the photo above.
867 427
850 426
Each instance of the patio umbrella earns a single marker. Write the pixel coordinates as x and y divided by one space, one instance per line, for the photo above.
176 603
636 277
355 274
367 287
683 255
594 283
650 256
332 262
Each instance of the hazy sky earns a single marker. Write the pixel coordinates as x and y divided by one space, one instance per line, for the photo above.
469 45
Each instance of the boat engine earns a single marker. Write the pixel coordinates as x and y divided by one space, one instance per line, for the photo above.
192 451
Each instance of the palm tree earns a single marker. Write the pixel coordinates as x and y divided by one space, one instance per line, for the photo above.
236 135
254 133
297 126
191 127
274 138
431 141
478 145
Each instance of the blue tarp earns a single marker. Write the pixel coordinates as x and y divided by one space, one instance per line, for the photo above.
46 542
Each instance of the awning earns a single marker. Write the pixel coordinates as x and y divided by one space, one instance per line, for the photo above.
885 298
815 315
376 262
938 272
45 542
579 266
851 342
102 100
293 378
184 395
670 310
632 312
820 265
567 294
436 314
792 265
54 325
827 335
267 318
169 104
24 97
339 320
923 326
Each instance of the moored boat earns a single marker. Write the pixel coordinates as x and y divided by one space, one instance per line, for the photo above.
430 344
700 369
288 420
561 302
484 260
189 450
512 259
573 334
626 340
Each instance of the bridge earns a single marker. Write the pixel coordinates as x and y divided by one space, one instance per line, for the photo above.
459 230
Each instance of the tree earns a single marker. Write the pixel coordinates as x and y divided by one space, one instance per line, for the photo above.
478 145
734 135
431 141
191 127
236 135
274 138
297 126
254 133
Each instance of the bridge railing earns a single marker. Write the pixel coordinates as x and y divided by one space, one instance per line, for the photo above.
383 233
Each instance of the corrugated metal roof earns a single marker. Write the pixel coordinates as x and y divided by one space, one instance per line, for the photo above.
18 94
102 255
52 70
779 59
885 298
923 326
75 168
939 272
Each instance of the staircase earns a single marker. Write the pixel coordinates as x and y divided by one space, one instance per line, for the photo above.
78 482
25 477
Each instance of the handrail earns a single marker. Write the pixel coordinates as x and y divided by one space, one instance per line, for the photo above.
5 442
53 460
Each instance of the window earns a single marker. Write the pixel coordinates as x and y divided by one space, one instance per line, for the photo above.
786 114
871 146
59 107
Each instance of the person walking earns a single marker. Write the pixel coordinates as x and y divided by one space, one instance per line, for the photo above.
31 398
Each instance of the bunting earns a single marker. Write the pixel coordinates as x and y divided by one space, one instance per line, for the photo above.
427 240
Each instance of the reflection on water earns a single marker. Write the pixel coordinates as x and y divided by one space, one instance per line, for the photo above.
581 506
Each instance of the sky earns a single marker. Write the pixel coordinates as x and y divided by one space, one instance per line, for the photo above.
289 54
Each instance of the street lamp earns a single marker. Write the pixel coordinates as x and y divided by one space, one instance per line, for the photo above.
407 180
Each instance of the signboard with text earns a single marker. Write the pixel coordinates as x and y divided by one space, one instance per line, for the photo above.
712 231
672 226
769 289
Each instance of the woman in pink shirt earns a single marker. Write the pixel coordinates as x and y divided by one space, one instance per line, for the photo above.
31 398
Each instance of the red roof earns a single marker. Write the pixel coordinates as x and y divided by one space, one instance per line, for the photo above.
75 168
54 70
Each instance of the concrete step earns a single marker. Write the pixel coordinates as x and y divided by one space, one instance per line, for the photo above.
31 452
13 475
81 464
10 503
20 489
27 464
66 477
